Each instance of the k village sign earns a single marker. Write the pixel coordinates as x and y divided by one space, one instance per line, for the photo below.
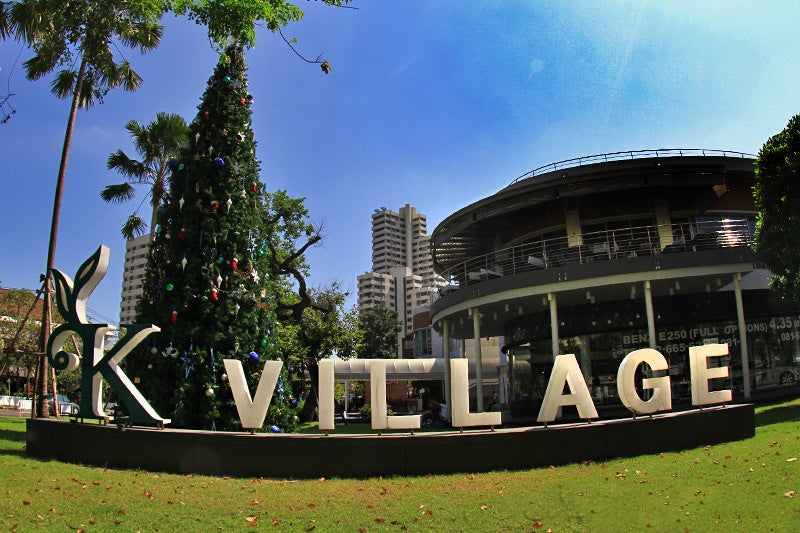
96 365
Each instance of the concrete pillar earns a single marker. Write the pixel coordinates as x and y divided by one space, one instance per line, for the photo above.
554 339
651 323
737 291
446 350
476 327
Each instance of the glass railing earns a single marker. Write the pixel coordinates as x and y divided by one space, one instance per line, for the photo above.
608 245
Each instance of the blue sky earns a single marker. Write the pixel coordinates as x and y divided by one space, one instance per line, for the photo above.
432 103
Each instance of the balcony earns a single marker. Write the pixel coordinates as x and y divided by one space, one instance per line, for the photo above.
609 245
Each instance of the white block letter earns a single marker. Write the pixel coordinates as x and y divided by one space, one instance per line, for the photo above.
701 374
459 391
662 395
566 370
325 399
377 388
252 413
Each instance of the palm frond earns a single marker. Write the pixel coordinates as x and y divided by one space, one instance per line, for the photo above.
133 227
118 193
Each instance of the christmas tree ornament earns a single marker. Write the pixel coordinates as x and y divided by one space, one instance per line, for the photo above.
180 203
226 79
228 204
181 166
275 429
211 149
204 270
154 350
234 263
149 366
207 115
224 377
196 137
219 280
188 364
182 233
173 164
236 311
243 101
174 318
158 229
214 205
219 162
254 187
169 287
184 261
253 357
209 392
214 294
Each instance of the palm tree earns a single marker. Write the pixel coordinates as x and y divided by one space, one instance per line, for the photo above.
157 143
88 35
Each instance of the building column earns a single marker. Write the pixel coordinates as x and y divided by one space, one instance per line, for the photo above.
554 339
476 327
651 323
446 350
737 291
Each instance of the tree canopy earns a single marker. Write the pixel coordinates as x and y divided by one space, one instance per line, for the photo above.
157 143
380 326
776 190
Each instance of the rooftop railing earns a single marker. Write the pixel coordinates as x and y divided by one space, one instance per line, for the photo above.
607 245
634 154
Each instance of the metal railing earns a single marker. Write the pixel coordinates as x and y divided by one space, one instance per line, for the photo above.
607 245
633 154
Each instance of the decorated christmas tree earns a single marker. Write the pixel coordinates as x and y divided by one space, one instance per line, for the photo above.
209 284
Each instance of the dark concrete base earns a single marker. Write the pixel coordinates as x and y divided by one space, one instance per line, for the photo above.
359 456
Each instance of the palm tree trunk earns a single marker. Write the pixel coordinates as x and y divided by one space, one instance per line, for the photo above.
41 379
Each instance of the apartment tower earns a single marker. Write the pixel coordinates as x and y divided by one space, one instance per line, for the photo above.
402 276
133 271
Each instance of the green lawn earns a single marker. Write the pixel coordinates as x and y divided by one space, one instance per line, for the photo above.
740 486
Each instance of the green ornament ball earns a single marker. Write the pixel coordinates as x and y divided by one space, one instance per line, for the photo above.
169 287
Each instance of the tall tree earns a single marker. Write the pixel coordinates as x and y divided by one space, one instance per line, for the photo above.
380 326
82 40
324 329
157 143
86 38
210 284
776 190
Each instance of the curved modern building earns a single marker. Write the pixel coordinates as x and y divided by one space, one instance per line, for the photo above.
603 255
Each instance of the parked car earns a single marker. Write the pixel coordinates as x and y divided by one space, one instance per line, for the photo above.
66 407
761 376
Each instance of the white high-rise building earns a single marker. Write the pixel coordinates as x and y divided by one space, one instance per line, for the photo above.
136 251
402 276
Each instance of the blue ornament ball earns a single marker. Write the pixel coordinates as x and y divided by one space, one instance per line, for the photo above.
275 429
253 357
219 162
173 164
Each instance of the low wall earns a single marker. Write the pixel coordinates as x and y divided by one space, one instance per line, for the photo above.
314 456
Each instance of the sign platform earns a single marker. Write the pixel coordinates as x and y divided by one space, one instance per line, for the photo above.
309 456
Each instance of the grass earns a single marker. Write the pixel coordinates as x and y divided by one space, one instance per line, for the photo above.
747 485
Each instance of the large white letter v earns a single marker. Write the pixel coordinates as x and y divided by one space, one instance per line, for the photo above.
252 412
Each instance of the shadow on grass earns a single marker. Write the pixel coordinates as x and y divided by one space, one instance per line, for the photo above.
778 414
14 442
